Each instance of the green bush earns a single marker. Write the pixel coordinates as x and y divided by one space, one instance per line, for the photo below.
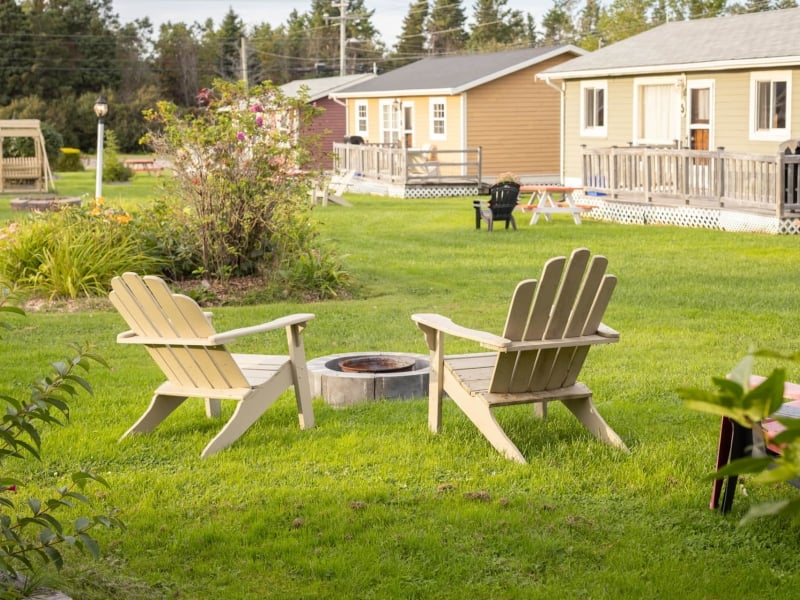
69 160
113 168
73 252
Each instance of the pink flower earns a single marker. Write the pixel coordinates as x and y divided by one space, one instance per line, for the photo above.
256 108
240 136
260 121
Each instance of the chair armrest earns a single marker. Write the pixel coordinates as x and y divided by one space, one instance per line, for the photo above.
130 337
287 321
445 325
606 331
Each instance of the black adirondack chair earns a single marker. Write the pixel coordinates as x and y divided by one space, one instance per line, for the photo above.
502 202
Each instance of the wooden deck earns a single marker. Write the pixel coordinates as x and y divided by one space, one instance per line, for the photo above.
758 184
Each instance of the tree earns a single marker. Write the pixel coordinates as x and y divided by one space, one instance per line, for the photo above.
177 62
16 60
74 48
496 26
623 19
588 33
412 44
445 27
557 24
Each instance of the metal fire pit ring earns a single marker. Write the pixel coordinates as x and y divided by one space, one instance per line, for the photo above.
340 388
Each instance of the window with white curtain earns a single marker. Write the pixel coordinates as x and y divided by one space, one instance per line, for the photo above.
657 111
593 108
770 105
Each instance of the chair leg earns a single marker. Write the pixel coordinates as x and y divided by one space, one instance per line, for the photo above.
247 412
741 441
481 415
160 408
584 409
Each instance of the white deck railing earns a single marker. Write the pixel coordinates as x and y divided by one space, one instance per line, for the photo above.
767 184
408 165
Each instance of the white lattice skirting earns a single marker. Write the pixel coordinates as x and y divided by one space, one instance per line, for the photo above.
685 216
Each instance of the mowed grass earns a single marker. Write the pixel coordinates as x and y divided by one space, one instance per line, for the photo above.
370 504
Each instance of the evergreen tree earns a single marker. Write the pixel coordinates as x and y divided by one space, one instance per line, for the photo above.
412 44
75 49
589 34
227 46
496 26
16 52
445 27
557 24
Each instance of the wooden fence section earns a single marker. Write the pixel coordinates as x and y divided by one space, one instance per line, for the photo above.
767 184
408 165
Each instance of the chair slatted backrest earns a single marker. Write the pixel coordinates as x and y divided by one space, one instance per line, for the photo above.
151 310
568 301
503 200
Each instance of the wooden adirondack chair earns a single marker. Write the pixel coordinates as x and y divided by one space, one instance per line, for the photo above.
181 340
550 327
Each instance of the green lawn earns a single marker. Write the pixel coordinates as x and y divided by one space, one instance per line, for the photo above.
371 505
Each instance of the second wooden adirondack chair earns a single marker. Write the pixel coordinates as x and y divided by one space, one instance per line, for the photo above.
181 340
552 322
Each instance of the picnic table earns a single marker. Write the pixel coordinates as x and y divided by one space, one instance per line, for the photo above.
143 165
543 202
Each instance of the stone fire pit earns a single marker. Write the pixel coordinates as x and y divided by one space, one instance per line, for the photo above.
356 377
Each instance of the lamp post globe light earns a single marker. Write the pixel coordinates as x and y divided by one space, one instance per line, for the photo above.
101 110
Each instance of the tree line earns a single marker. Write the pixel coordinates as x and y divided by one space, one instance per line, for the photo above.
57 56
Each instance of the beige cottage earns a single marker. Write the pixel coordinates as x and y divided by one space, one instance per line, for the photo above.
492 101
704 84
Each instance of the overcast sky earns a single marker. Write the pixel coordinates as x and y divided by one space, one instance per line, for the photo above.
388 16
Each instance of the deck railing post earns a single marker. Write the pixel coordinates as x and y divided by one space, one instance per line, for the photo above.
720 170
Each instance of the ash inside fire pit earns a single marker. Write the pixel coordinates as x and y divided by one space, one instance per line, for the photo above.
377 364
353 378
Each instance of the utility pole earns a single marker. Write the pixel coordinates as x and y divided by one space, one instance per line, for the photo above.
342 18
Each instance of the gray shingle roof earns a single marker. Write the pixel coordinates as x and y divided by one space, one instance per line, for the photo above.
453 74
765 38
321 87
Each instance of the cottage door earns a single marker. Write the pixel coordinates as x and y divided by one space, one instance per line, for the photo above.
699 116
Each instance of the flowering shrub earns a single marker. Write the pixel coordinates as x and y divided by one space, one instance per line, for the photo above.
239 172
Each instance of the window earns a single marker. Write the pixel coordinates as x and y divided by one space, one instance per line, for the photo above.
361 118
657 111
593 109
770 94
391 113
438 119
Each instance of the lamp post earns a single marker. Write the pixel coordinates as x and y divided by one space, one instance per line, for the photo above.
101 110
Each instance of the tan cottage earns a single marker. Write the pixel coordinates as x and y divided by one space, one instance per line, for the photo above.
452 103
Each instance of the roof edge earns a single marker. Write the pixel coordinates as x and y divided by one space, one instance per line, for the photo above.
726 65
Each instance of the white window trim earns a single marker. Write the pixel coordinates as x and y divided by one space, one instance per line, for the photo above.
381 129
700 83
594 131
770 135
362 132
431 134
638 84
